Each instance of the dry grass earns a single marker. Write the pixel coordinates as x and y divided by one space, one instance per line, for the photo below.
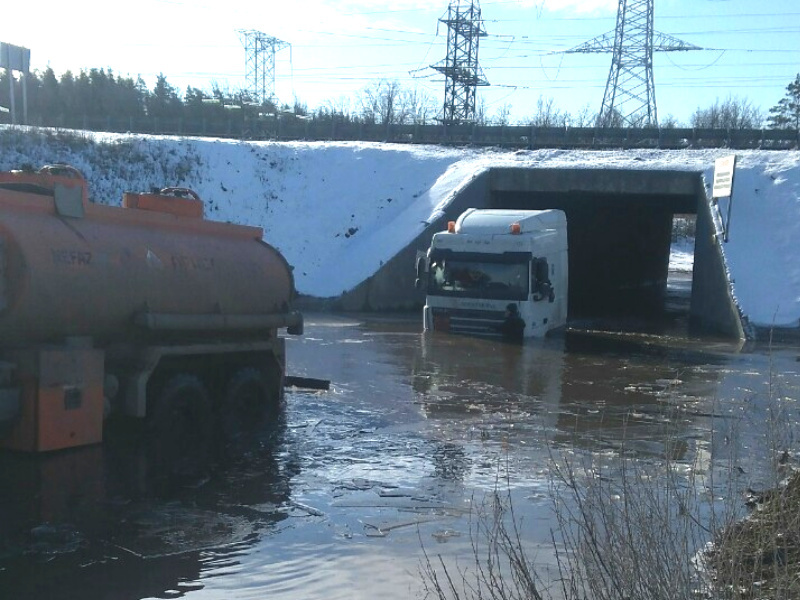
500 567
759 557
624 530
628 529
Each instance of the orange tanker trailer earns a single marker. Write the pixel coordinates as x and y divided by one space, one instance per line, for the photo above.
146 310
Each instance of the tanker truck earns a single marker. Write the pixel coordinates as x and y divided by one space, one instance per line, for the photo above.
144 310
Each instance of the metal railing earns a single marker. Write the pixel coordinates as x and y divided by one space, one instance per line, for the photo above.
509 136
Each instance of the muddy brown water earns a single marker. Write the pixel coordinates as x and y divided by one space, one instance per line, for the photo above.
338 499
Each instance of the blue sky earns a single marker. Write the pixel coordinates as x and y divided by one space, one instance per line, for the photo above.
751 50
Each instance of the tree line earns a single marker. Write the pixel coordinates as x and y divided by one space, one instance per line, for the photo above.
101 93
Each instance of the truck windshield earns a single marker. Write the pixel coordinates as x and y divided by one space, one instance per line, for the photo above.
478 279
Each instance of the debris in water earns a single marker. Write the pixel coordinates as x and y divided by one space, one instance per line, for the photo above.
442 536
306 508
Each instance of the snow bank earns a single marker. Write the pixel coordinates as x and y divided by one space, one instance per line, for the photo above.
338 211
763 248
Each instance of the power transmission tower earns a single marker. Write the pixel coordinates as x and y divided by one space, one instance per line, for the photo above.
461 70
260 50
630 95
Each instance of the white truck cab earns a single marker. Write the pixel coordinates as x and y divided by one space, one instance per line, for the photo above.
492 263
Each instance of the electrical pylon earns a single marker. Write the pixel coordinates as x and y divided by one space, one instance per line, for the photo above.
462 72
630 95
260 50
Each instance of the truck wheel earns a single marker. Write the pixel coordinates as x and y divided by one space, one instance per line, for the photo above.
181 427
248 400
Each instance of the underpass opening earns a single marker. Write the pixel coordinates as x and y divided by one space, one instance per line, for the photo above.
681 264
620 228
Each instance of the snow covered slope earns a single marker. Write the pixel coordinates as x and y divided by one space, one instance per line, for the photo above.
338 211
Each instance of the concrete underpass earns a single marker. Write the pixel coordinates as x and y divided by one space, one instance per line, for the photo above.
619 223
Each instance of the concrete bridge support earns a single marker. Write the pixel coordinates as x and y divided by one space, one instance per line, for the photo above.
713 308
392 288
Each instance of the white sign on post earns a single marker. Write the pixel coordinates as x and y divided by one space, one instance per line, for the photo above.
723 176
724 169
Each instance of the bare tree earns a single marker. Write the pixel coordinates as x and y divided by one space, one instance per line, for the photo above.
481 111
547 115
503 115
299 107
613 120
583 118
669 122
339 110
381 103
638 120
420 106
732 113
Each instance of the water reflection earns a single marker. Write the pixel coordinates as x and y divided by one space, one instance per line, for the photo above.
586 388
414 430
100 522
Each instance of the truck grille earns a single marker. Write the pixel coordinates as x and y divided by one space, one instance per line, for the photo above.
469 322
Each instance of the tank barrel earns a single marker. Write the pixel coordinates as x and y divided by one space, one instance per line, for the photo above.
69 267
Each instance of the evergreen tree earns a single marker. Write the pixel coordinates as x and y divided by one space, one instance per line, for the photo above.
85 103
68 99
199 105
786 114
49 105
129 98
193 102
164 102
101 93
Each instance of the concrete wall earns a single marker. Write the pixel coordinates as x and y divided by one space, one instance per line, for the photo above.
713 309
392 288
677 184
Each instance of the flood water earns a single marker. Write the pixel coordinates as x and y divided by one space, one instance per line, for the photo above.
339 499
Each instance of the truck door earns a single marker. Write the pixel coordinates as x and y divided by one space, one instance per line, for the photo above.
542 288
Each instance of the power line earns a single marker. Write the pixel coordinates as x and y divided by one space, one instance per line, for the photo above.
692 67
630 93
661 18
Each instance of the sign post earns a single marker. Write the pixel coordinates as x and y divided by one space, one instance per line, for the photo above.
724 169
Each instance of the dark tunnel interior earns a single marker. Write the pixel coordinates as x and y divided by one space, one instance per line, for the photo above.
619 240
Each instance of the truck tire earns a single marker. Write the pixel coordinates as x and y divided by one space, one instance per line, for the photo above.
180 426
249 399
